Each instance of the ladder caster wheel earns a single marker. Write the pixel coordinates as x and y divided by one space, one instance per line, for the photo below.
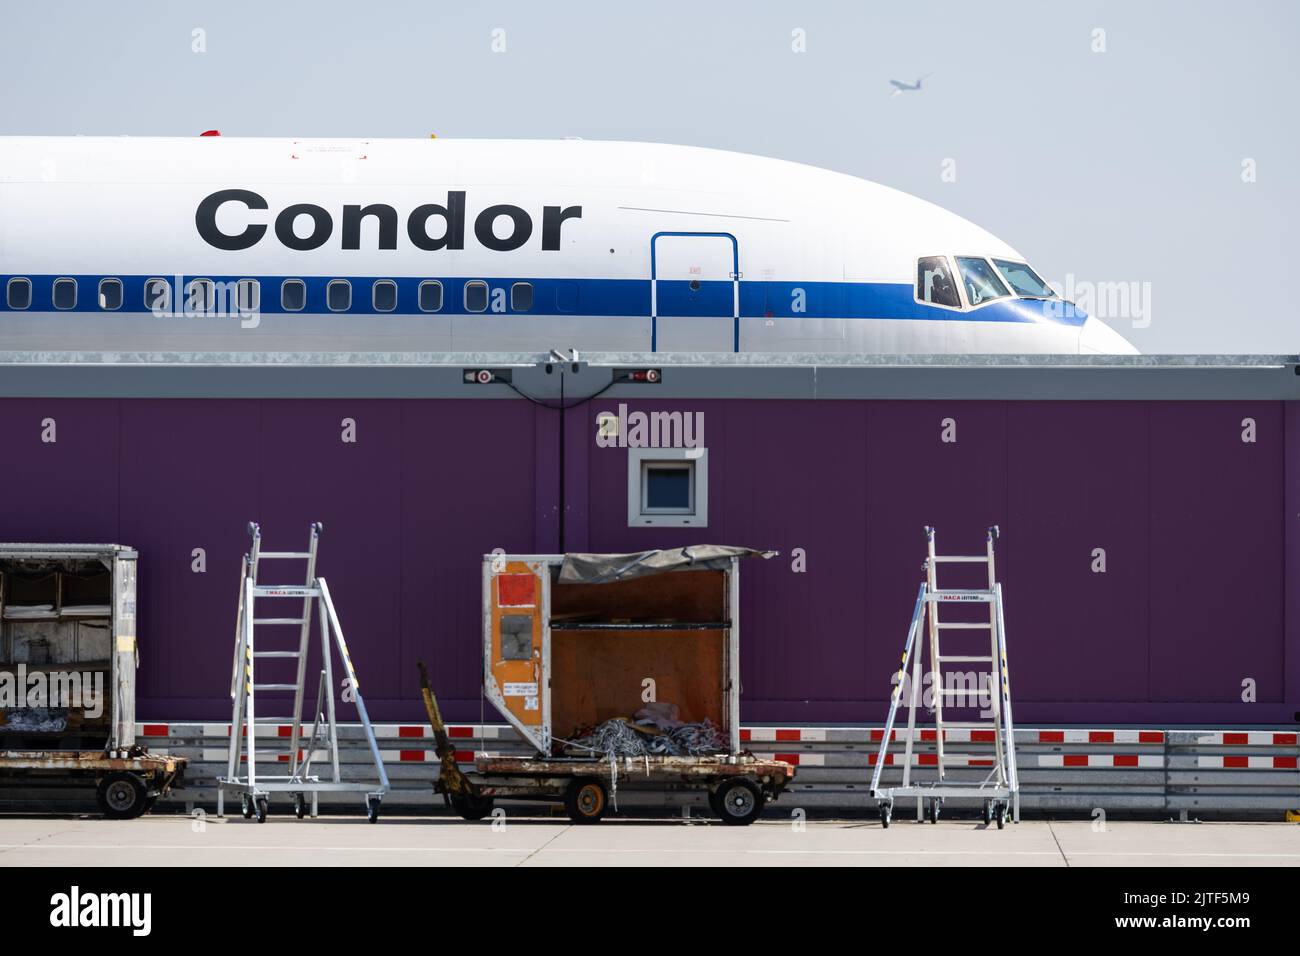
933 810
372 809
261 809
886 814
988 812
299 806
1001 814
245 806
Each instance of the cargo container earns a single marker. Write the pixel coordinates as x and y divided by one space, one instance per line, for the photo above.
577 647
68 658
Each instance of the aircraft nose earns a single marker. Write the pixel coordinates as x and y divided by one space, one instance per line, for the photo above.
1098 338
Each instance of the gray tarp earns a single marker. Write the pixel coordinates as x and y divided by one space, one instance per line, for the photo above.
606 568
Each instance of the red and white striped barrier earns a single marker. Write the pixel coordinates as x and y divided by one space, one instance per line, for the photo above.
1244 738
1244 762
1148 761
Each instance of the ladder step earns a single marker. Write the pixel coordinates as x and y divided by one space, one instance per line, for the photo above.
969 725
962 558
276 654
285 590
964 625
278 620
275 687
287 555
962 690
273 720
965 659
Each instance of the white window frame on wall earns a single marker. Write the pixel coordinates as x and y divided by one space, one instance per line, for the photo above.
639 461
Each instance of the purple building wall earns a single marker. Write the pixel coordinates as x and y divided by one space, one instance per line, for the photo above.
1195 523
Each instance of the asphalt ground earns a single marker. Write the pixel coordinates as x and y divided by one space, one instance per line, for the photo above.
442 841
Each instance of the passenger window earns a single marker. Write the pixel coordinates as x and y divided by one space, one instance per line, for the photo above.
521 297
338 295
248 295
200 296
476 296
65 293
384 295
157 295
293 295
934 283
110 294
431 296
18 293
982 283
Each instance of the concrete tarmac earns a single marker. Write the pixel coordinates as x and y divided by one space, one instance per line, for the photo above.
177 840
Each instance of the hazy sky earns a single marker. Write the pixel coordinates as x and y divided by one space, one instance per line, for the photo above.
1123 165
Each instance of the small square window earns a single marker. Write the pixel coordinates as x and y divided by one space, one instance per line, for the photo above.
338 295
668 487
65 293
431 296
521 297
384 295
476 296
293 295
18 293
110 294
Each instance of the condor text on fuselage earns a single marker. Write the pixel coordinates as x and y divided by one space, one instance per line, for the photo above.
434 226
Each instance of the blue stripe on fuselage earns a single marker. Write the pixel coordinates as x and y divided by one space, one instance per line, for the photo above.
594 297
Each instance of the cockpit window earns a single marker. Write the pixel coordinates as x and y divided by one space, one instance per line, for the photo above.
934 282
1024 280
982 283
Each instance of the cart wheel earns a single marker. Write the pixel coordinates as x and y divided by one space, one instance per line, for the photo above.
741 802
987 815
470 807
585 800
1002 815
299 806
246 806
372 809
933 810
886 815
261 809
121 796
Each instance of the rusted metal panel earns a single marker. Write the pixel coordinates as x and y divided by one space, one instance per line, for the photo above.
86 760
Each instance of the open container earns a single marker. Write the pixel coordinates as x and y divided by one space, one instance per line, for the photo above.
67 677
571 641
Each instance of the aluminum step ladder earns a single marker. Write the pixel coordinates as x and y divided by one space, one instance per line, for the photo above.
300 782
1000 788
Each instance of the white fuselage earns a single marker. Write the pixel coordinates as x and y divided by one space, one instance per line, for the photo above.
349 245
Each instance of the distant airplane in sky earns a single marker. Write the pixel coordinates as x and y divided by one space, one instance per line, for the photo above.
901 87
